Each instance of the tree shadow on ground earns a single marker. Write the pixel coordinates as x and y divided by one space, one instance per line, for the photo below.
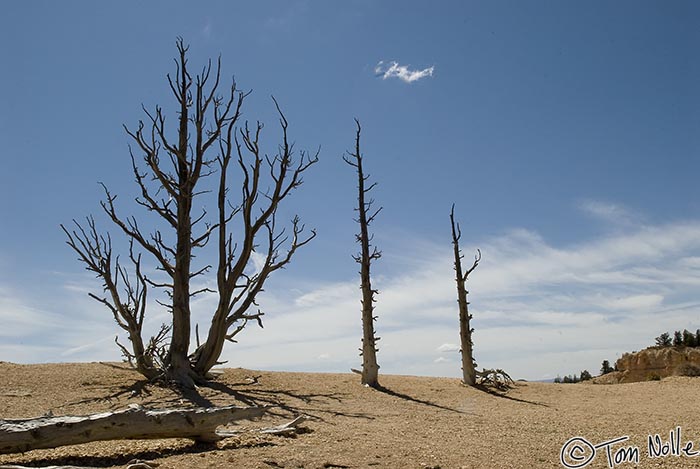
486 389
503 395
140 388
406 397
280 403
284 400
121 459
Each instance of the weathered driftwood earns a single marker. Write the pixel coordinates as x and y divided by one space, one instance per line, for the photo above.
288 428
133 464
20 435
50 467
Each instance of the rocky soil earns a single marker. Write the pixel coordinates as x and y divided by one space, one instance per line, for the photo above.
415 422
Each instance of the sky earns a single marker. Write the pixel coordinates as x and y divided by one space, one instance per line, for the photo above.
565 133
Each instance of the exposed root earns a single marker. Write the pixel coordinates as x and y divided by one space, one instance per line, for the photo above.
497 378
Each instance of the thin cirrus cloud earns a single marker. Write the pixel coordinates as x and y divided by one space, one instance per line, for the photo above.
393 69
539 309
586 302
608 212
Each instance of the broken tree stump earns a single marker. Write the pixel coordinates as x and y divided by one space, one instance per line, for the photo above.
20 435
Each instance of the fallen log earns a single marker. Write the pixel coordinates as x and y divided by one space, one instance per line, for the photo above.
199 424
133 464
48 467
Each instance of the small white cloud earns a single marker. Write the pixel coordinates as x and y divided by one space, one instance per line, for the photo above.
394 70
448 348
441 360
324 356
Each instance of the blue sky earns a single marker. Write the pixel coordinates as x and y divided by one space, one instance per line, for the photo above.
565 132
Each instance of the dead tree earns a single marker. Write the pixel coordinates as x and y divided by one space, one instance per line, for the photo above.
200 424
465 329
171 177
368 253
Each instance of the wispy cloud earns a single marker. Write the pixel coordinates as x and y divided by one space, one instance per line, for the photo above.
402 72
288 18
608 212
207 29
539 309
66 327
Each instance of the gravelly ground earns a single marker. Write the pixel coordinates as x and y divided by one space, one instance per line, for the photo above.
417 422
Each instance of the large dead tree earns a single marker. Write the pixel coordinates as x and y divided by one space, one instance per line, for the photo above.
469 373
368 253
206 143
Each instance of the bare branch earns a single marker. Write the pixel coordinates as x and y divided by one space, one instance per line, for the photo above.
130 228
477 259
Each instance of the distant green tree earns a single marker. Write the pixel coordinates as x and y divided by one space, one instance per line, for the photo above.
557 379
697 338
567 379
606 368
677 339
664 340
585 375
688 338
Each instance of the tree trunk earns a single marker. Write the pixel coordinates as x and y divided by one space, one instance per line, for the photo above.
465 336
179 365
370 368
21 435
209 352
465 330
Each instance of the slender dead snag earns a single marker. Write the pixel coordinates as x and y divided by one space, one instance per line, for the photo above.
368 253
465 329
206 139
